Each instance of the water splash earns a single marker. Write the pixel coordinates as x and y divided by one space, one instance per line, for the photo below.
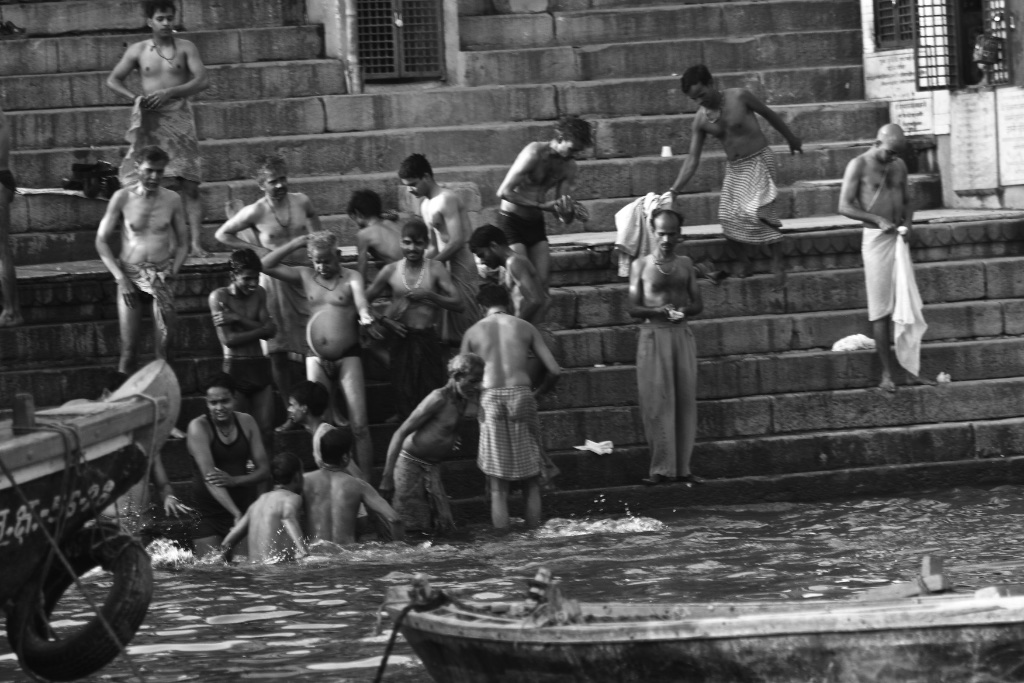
630 524
165 554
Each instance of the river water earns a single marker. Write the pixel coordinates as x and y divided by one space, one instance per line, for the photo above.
315 620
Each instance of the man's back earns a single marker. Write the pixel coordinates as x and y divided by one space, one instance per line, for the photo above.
268 539
332 504
504 342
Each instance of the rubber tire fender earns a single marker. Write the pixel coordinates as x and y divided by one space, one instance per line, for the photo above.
86 649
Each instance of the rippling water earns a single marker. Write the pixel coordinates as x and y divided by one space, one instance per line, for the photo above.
315 620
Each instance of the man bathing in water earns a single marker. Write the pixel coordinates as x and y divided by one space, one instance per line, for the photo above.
307 402
272 523
419 287
663 292
276 218
337 306
378 238
529 297
240 317
540 167
875 191
171 72
412 470
153 248
510 441
444 213
747 208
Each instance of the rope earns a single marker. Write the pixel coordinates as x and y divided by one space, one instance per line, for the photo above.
434 600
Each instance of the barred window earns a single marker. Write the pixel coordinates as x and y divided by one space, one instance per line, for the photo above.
937 54
996 25
894 23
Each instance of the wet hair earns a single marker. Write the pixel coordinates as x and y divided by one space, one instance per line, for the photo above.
492 294
572 127
244 259
272 165
365 203
694 75
313 395
415 166
324 239
151 7
416 229
484 235
222 380
284 467
673 212
465 363
335 446
153 154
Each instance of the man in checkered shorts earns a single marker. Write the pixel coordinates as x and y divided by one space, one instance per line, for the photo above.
510 446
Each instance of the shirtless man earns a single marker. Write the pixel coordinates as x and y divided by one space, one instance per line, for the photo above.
875 191
333 498
529 298
276 218
443 212
154 245
307 402
418 447
337 307
272 522
540 167
378 238
663 292
11 314
240 317
419 287
747 208
510 440
171 71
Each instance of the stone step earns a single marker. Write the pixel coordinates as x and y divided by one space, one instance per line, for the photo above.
69 54
471 145
660 57
473 8
263 80
86 16
666 22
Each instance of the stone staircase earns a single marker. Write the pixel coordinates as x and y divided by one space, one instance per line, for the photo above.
781 417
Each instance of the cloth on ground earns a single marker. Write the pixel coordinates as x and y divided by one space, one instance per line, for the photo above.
666 373
420 499
747 210
151 278
172 127
908 320
855 342
417 368
510 446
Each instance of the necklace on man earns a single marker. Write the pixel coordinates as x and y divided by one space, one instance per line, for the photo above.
672 268
316 279
169 60
419 281
288 205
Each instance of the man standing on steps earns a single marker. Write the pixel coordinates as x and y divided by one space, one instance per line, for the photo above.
663 292
11 314
278 217
171 72
154 245
747 209
875 191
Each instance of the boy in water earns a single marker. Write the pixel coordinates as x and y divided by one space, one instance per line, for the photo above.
272 522
413 468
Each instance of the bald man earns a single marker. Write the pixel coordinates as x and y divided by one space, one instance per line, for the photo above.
875 192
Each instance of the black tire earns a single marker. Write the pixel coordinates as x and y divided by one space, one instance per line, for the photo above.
86 649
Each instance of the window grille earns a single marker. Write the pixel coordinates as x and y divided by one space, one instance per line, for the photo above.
894 23
996 20
400 39
936 45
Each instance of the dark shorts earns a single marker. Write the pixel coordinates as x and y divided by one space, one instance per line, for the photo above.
525 231
213 525
7 180
251 374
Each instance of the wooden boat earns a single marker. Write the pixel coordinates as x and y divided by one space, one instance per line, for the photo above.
920 640
59 468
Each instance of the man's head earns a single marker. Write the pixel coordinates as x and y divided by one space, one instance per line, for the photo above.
160 16
272 177
466 374
486 242
150 164
286 471
364 206
245 271
667 226
336 447
414 240
220 397
323 252
890 142
307 399
492 294
698 85
572 136
416 174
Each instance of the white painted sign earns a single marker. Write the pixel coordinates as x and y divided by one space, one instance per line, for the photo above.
1010 127
913 116
889 75
973 142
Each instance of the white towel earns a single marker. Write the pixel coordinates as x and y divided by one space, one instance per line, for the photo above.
906 316
634 236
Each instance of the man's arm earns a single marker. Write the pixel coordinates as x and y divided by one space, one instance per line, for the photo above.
359 298
849 199
290 522
458 234
240 529
448 298
223 318
637 308
533 294
381 283
363 259
198 443
109 227
272 262
693 158
199 81
423 413
517 175
180 232
547 358
245 219
129 62
261 471
376 503
768 114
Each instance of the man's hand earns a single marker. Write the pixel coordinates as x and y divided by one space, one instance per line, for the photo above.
796 145
885 225
365 317
155 100
218 477
128 291
224 316
174 506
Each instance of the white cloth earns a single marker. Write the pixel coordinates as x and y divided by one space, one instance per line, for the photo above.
855 342
878 249
907 317
634 236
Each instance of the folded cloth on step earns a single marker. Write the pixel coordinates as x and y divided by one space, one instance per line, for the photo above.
908 320
855 342
634 235
599 447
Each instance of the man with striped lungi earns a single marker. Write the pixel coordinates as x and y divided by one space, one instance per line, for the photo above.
747 209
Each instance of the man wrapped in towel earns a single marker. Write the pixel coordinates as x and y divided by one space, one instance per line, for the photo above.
425 439
510 444
875 191
747 209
